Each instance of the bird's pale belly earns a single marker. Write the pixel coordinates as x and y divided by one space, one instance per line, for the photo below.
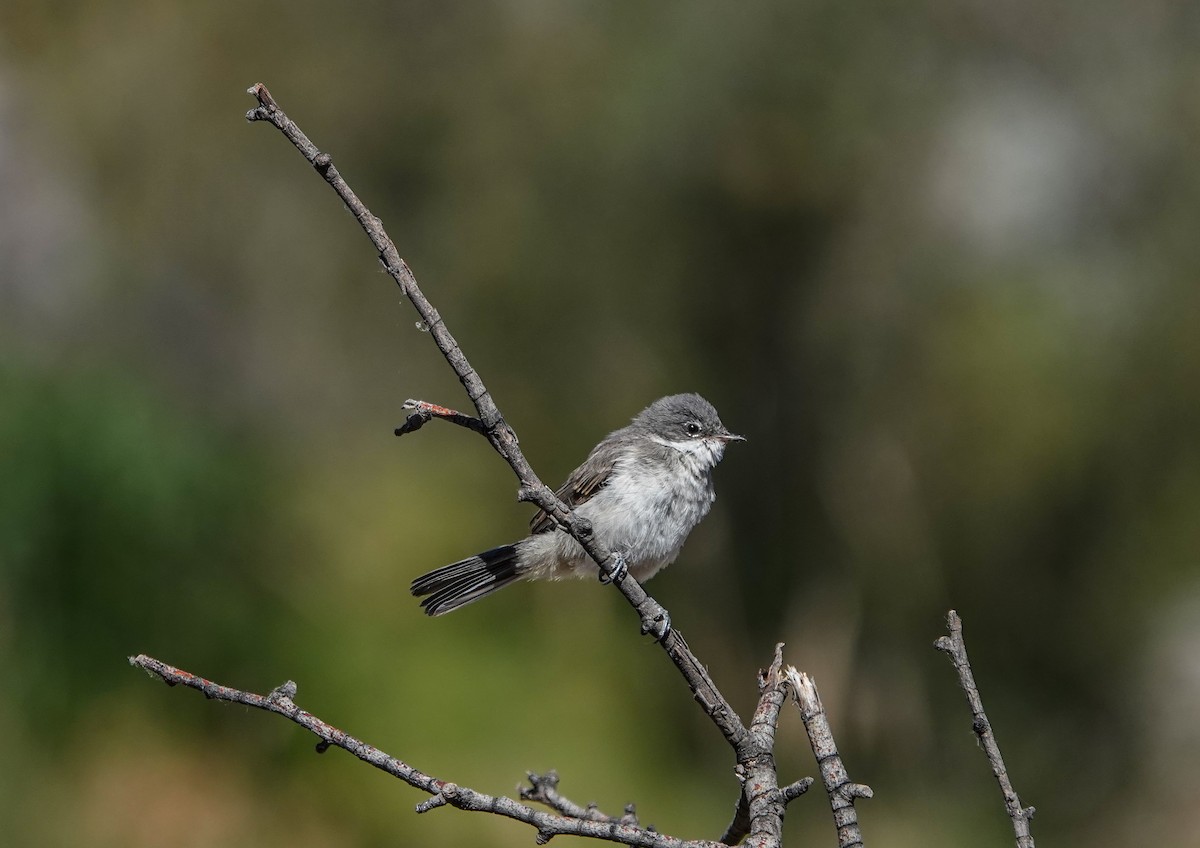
647 531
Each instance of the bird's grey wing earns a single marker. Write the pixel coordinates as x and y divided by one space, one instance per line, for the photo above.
584 482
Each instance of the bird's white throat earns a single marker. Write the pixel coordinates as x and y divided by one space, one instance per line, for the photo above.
705 452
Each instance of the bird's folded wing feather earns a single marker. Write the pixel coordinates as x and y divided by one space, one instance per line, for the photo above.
584 482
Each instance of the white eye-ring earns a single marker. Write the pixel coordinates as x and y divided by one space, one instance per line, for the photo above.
693 428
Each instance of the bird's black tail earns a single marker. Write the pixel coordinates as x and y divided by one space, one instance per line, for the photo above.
467 580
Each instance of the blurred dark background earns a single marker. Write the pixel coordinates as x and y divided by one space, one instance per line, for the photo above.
938 262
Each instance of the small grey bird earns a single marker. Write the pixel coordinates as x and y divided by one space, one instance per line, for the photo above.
643 488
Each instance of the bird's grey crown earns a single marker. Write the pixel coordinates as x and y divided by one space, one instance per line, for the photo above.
675 418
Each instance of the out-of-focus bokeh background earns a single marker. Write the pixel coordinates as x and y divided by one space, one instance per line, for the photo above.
938 262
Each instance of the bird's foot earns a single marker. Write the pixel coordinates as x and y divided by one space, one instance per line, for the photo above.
659 626
619 569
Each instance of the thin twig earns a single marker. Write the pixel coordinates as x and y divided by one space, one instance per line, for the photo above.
956 649
653 616
424 412
441 792
739 825
794 790
543 788
842 793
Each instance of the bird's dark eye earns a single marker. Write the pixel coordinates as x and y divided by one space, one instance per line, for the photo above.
693 428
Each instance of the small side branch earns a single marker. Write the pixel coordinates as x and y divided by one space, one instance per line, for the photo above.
424 412
442 792
739 826
955 648
543 789
794 790
842 793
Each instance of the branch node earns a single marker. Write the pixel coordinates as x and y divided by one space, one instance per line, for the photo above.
543 836
321 162
322 746
283 692
541 787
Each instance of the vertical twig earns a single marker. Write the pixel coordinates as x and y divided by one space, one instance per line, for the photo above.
956 649
756 759
842 792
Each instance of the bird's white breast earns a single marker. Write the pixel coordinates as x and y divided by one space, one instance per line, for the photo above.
647 509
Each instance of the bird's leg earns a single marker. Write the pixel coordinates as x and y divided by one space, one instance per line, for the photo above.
620 568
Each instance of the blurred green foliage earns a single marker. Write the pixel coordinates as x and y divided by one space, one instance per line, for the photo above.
101 480
938 262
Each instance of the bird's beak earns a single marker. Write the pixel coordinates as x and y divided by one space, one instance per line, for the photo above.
731 437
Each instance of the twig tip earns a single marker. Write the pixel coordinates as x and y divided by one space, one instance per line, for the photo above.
432 803
260 93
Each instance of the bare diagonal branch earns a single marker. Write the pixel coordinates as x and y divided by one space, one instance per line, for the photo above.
653 615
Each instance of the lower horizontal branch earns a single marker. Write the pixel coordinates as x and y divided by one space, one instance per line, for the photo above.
279 701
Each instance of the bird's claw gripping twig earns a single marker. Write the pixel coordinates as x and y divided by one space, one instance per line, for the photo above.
659 626
619 570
